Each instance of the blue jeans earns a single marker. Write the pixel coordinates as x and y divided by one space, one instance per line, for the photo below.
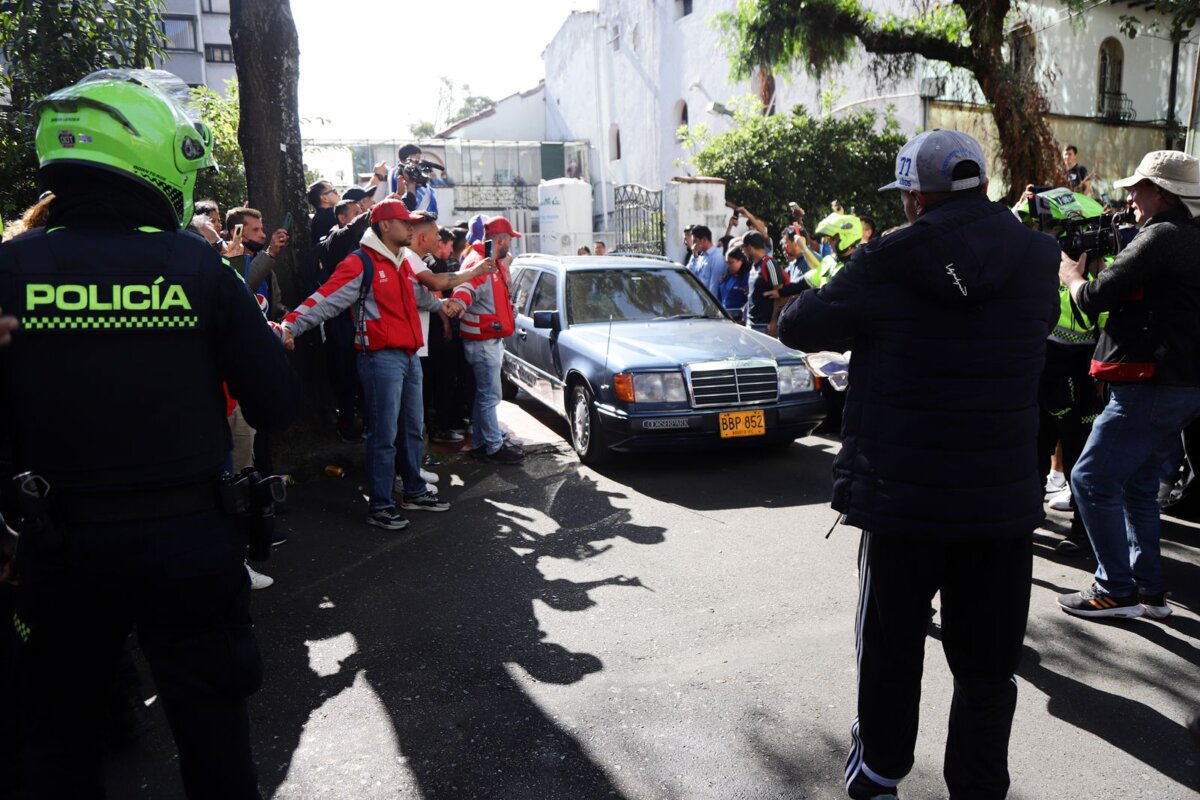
485 356
1115 482
391 382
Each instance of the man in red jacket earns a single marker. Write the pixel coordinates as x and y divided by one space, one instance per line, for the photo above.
487 319
387 335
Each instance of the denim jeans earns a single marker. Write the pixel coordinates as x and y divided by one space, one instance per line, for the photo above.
391 382
1115 482
485 356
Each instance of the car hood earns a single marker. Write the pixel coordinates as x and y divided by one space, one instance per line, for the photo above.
668 343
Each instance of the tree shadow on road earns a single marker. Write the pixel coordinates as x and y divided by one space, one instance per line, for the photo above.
397 664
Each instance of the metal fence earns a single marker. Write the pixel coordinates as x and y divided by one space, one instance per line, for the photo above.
638 220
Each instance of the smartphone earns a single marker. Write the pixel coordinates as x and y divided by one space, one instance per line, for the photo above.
237 230
487 248
287 222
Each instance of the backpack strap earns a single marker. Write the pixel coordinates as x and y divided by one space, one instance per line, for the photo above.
368 279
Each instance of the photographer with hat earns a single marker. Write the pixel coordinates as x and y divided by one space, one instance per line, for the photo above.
1149 353
948 319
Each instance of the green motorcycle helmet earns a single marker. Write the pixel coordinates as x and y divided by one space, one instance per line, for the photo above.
846 230
134 123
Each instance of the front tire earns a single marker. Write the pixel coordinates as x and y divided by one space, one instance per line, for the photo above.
587 437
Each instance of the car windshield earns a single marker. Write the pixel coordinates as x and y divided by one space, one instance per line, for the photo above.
623 295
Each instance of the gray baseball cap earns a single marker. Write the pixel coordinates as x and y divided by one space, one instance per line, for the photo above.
927 161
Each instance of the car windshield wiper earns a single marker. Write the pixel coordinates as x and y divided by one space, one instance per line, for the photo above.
684 316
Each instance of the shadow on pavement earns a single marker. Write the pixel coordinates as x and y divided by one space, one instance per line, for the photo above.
705 484
395 660
1162 744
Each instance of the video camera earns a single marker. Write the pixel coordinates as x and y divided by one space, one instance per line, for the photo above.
1081 224
419 170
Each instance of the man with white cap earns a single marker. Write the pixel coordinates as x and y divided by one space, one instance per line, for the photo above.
1149 354
947 320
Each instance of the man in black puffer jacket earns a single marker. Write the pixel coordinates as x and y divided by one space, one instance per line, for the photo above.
948 321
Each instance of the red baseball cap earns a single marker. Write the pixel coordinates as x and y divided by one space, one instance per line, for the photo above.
500 225
393 209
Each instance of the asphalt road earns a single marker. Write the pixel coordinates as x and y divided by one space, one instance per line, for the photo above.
669 627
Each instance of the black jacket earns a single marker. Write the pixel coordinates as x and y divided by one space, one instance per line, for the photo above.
1161 269
949 319
114 380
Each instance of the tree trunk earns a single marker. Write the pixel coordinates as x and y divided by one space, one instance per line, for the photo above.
266 50
1019 107
1027 146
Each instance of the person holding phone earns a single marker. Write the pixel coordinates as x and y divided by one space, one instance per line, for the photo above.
254 256
486 320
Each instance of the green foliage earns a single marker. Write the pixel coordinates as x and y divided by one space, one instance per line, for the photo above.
422 130
222 114
471 105
768 161
49 44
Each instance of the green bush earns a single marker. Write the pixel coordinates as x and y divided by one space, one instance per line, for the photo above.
769 161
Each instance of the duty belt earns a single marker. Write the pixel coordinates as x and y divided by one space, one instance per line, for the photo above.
80 508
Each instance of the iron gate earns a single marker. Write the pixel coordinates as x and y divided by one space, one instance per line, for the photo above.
639 223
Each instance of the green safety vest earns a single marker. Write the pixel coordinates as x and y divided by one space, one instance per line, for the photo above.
823 272
1073 326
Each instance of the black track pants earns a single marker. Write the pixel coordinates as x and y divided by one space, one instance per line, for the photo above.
985 589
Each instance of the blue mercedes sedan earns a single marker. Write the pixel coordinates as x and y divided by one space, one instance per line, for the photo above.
637 355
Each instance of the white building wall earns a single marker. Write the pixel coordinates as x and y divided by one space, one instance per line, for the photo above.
519 117
631 63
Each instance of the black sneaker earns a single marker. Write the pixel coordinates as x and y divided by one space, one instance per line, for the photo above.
1155 605
1094 602
507 454
863 788
424 502
478 453
386 518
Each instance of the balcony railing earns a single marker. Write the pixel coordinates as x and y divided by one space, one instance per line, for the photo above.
1116 106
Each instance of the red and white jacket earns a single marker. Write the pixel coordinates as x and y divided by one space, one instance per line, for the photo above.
489 313
390 318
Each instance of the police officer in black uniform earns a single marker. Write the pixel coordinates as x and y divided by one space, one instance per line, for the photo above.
112 398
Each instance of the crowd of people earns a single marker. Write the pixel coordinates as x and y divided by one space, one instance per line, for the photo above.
1026 347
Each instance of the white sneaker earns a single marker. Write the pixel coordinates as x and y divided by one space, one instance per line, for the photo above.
398 484
258 580
1061 500
430 477
1055 482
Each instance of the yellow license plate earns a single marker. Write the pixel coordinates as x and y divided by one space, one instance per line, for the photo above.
742 423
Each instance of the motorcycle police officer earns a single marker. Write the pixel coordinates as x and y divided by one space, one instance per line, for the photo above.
115 414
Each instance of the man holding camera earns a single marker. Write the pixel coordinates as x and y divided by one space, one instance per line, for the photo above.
1149 353
948 318
410 180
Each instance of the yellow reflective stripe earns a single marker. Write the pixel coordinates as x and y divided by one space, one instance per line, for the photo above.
97 323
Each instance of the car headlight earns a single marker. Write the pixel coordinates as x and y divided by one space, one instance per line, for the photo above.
794 378
659 387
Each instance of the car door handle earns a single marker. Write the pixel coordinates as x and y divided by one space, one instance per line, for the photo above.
523 334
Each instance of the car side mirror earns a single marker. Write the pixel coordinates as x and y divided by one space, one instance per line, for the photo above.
546 319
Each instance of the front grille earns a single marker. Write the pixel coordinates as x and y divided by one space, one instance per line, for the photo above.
733 384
